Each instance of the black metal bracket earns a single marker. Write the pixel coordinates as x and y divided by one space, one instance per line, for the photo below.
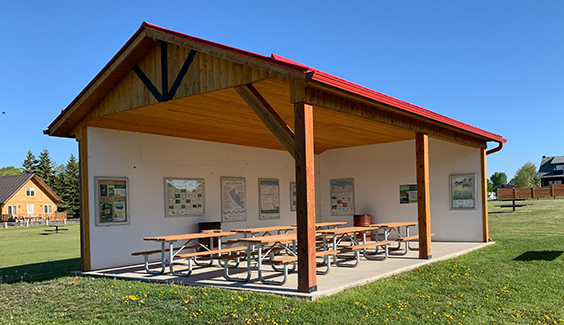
167 94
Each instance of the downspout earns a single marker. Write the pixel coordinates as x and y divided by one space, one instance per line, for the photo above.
500 145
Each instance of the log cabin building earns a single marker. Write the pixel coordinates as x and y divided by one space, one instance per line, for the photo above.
26 196
170 106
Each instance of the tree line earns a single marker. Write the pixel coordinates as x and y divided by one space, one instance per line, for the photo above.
526 176
62 179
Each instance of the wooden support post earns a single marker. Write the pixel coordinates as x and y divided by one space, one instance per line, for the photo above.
84 206
305 195
484 191
423 202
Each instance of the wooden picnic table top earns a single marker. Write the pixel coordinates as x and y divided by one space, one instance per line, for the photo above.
263 229
327 224
344 230
196 235
268 239
395 224
511 199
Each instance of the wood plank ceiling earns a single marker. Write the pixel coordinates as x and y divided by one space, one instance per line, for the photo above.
222 116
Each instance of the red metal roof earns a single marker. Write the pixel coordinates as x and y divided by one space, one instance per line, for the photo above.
324 78
334 81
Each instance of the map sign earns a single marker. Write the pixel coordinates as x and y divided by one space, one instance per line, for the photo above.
233 199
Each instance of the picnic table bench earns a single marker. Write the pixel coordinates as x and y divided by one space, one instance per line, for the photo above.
57 228
513 204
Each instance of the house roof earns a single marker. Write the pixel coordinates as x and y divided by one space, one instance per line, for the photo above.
504 186
546 168
10 185
558 160
141 42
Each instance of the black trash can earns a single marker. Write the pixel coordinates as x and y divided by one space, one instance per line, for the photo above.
209 226
363 220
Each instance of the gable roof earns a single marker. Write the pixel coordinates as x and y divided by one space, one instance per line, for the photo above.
10 185
546 168
558 160
143 40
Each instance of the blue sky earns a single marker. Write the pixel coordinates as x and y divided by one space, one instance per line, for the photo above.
498 65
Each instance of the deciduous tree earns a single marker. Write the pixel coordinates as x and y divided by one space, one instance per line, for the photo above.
10 170
498 178
526 176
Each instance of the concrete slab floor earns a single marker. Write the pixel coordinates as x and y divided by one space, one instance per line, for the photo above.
337 280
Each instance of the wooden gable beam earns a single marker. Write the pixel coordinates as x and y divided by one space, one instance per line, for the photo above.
165 94
268 116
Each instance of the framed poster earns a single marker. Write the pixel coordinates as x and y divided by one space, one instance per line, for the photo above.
462 191
408 194
184 197
269 199
233 199
112 201
342 197
293 197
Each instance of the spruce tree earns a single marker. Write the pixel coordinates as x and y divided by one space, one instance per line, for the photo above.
45 169
30 163
71 189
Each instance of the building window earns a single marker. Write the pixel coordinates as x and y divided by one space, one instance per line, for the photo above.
47 208
29 191
12 209
559 167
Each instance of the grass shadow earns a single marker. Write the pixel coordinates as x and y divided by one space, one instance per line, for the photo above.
538 256
39 271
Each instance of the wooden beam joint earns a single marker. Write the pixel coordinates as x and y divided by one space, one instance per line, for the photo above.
268 116
166 94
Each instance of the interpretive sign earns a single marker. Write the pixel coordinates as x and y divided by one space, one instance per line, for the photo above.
462 191
269 199
233 199
408 194
184 197
111 201
342 197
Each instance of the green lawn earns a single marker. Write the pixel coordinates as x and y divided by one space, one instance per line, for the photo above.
519 280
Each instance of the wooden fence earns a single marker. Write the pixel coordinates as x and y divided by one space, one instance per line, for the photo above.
57 216
530 192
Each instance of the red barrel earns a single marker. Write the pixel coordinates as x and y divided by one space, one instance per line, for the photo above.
363 220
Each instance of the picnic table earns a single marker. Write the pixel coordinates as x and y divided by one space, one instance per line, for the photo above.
388 227
349 234
512 205
57 228
264 247
328 224
266 231
199 249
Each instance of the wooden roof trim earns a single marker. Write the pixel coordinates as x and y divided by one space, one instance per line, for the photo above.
136 48
104 81
47 190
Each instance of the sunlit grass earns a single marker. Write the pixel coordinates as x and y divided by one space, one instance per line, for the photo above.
518 280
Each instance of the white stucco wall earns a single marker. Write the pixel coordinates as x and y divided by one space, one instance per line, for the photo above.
147 159
378 170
